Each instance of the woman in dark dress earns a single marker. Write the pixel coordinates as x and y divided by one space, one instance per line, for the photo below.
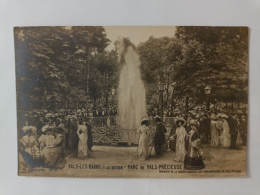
193 159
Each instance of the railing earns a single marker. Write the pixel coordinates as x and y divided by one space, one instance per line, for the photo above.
128 135
108 121
105 121
112 133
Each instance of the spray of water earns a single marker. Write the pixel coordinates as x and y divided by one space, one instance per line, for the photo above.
131 91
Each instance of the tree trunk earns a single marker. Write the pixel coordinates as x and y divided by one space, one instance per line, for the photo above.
167 87
172 104
106 101
161 105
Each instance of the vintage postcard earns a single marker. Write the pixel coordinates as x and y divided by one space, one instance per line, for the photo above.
132 101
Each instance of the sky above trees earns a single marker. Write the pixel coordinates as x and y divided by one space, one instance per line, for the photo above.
137 34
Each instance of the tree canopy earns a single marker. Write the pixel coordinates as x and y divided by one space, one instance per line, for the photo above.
61 63
195 58
72 63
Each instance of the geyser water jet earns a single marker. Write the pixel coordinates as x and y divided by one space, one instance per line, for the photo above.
131 92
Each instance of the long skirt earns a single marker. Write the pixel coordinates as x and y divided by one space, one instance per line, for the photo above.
143 147
193 160
83 146
225 139
214 135
172 144
195 163
53 157
180 149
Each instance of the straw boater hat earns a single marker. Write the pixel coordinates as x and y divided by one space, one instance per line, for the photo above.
180 119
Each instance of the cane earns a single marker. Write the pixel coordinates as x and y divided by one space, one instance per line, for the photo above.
138 146
151 149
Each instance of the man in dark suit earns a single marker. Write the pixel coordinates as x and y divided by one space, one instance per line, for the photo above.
205 128
159 137
95 113
233 130
90 137
243 129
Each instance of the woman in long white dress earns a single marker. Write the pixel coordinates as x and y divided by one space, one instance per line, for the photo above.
83 140
180 140
214 133
225 138
143 147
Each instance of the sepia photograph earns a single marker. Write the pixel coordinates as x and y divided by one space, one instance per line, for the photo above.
132 101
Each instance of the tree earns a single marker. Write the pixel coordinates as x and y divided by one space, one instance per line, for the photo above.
224 60
159 58
198 56
59 63
37 67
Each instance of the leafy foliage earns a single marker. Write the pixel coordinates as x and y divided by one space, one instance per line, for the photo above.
197 57
60 63
71 63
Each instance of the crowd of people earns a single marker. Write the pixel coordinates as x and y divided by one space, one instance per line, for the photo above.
186 136
187 144
45 136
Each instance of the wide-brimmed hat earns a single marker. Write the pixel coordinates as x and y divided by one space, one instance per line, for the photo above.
213 117
33 128
193 122
26 128
180 119
144 119
224 116
49 115
73 117
158 118
192 112
46 128
219 115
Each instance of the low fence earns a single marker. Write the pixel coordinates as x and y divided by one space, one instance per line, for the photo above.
108 121
109 133
115 136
